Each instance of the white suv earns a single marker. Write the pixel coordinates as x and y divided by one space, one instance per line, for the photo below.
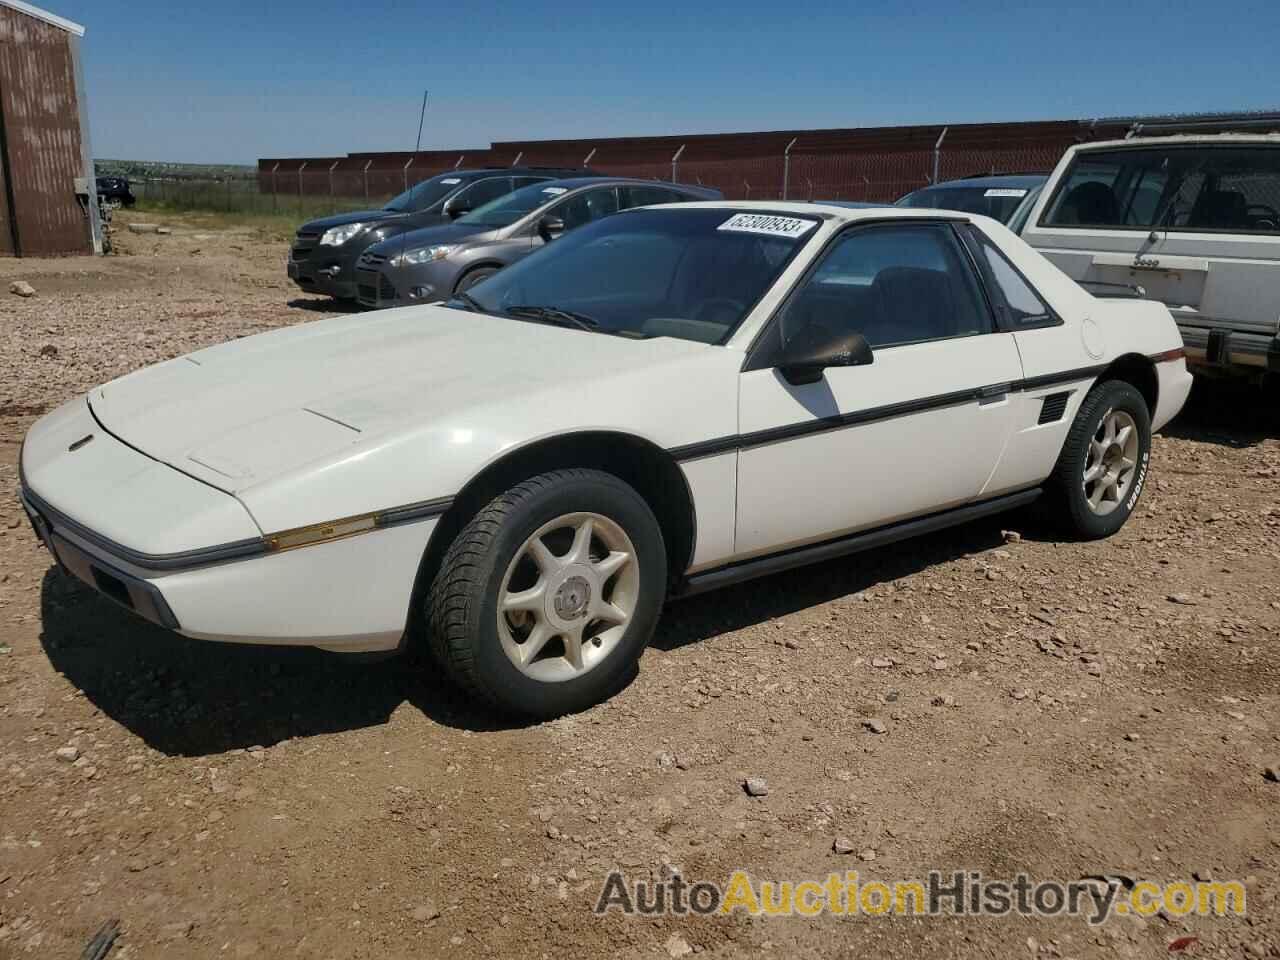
1194 221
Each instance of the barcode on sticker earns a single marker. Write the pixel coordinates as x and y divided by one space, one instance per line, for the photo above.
766 224
451 180
1005 192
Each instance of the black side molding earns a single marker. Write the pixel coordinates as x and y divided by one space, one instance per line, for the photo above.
854 543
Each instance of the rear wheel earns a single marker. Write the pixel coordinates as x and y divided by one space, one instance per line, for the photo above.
548 596
1103 465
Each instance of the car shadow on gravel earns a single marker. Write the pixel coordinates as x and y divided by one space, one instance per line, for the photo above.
756 601
324 305
193 697
188 697
1228 412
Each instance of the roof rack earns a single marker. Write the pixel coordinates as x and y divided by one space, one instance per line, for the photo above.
1219 123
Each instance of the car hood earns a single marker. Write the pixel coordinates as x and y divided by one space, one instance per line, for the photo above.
299 402
342 219
429 236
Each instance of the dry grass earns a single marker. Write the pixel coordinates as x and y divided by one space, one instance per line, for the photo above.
265 225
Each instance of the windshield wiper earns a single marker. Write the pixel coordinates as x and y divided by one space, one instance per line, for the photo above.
554 315
470 302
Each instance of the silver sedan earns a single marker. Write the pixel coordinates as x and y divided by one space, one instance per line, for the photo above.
437 263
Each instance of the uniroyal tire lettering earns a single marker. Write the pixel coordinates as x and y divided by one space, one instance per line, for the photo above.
1137 487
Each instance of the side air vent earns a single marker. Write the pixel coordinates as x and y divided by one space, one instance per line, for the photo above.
1055 405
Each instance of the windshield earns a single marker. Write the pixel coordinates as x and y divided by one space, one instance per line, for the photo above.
998 203
1022 214
507 210
423 195
692 273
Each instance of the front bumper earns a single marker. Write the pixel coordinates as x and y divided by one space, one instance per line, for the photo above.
133 593
380 285
346 596
329 271
138 532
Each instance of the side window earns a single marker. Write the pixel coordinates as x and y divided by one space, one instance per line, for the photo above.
893 284
1022 305
601 203
482 191
634 196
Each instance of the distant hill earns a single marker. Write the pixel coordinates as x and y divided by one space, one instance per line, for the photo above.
148 169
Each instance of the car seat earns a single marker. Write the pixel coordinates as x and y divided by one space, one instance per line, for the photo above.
1091 202
907 304
1220 210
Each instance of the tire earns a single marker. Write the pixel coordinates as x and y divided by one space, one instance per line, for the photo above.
1092 509
491 656
472 277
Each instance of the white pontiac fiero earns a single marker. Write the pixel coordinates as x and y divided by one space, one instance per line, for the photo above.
664 401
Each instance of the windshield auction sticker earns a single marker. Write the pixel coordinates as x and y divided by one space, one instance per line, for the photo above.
1005 192
766 224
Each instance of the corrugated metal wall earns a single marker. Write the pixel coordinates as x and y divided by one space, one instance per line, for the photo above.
40 136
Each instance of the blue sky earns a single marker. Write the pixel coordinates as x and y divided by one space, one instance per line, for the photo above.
232 81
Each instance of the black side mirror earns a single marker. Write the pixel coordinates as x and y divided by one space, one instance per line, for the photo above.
550 227
458 209
815 348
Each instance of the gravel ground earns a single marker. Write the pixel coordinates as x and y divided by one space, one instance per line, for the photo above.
986 699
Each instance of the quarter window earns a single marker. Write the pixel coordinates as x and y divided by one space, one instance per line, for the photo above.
1025 307
894 285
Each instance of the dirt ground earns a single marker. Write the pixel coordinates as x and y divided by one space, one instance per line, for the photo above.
1063 709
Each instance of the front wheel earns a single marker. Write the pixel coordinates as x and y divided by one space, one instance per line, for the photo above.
1103 465
473 277
549 595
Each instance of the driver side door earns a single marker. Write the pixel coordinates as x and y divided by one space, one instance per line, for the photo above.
918 430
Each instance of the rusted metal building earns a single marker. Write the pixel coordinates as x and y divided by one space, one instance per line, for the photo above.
47 187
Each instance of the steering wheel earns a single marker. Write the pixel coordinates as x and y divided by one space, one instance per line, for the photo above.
1268 216
707 309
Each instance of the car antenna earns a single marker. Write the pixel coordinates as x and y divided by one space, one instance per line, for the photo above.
417 148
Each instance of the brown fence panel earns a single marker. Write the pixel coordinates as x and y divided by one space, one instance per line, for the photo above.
42 133
976 162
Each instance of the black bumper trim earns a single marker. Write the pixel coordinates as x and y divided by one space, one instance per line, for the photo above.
182 560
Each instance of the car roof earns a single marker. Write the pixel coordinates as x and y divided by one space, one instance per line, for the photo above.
851 204
573 183
837 214
995 180
490 171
